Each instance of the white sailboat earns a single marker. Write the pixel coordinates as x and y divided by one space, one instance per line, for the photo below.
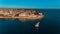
37 25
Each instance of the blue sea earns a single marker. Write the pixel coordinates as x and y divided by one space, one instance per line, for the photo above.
50 24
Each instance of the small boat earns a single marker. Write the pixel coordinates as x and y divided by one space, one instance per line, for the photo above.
37 24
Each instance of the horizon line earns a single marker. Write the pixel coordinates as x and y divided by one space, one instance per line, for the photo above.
26 7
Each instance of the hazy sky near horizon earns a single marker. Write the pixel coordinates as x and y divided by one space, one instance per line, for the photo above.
30 3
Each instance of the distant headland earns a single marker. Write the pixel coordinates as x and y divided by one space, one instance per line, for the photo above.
23 14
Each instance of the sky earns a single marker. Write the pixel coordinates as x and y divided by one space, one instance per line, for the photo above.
30 3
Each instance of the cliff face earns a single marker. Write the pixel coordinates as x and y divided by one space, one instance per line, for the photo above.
22 14
15 12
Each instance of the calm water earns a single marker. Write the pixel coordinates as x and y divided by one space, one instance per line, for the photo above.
50 24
